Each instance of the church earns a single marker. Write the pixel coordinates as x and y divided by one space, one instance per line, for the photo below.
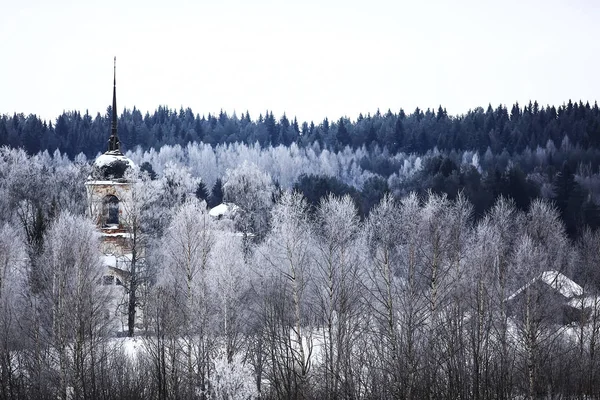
109 195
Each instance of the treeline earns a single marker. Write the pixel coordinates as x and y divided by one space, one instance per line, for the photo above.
565 174
529 152
497 128
278 299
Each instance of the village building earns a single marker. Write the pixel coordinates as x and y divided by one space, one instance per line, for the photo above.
558 299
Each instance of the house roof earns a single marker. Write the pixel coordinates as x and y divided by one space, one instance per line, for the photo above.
557 281
222 209
561 283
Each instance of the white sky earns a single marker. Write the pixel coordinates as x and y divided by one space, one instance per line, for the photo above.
307 58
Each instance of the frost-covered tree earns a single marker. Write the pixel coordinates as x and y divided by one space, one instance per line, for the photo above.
232 380
506 224
229 284
480 304
338 287
13 286
414 270
412 306
76 304
251 190
589 324
287 261
137 217
187 245
383 237
177 185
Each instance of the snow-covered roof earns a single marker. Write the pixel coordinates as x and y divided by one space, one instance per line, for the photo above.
585 302
557 281
110 166
562 284
222 209
109 157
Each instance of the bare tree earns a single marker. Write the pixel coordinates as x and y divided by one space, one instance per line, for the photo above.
506 223
187 246
287 254
480 284
77 302
383 237
141 196
589 305
338 292
13 284
541 256
228 288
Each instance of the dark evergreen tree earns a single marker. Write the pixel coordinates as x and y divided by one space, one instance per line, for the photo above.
216 194
399 133
316 187
147 167
374 189
343 137
202 192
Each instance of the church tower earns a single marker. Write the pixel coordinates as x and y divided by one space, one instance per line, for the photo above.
109 197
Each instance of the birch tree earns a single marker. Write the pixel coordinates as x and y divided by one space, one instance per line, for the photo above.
412 310
507 225
383 237
287 253
141 196
76 302
589 323
338 292
540 257
187 246
13 285
480 307
229 285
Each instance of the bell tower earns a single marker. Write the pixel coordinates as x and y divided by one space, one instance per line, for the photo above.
109 196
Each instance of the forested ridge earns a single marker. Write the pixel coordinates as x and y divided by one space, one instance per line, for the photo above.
365 259
498 129
522 153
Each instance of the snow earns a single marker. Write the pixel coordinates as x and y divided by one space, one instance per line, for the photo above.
108 158
131 346
117 234
563 285
222 209
109 260
91 182
585 302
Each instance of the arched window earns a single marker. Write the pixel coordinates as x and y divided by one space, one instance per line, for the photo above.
111 210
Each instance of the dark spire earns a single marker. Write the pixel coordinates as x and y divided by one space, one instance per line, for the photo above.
113 142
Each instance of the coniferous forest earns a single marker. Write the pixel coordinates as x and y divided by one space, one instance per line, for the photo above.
522 153
392 256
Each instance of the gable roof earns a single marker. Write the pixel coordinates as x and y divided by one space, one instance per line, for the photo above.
557 281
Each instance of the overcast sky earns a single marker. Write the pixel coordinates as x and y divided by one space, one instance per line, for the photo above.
309 59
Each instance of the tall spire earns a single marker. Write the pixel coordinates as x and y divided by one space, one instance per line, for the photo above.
113 142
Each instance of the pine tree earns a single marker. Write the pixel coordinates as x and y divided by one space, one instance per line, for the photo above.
343 137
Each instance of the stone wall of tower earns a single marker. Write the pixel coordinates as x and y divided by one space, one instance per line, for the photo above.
115 239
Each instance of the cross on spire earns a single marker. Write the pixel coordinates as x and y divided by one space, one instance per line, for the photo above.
113 142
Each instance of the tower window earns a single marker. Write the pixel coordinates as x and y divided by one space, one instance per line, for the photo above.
111 210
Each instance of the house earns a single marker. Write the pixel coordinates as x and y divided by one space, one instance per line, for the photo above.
550 296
